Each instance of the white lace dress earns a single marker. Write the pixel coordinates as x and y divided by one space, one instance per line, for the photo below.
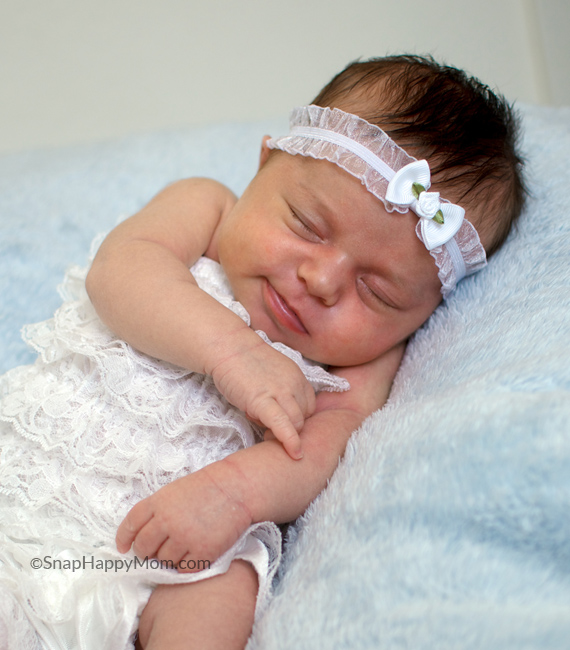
86 432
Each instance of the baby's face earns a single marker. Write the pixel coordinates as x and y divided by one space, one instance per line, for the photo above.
321 266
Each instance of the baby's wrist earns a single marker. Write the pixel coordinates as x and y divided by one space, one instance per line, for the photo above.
232 482
223 349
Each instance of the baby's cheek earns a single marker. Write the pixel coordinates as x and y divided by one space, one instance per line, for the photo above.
365 341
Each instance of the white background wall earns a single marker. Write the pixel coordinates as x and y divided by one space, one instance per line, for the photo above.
75 71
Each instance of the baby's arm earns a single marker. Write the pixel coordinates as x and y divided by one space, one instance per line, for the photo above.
142 289
201 515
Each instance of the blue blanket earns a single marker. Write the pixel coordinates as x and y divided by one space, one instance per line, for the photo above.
447 523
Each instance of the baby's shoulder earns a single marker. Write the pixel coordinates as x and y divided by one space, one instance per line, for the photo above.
203 189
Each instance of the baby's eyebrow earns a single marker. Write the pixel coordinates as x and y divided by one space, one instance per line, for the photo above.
324 209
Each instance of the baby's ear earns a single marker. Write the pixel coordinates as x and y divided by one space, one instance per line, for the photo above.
265 151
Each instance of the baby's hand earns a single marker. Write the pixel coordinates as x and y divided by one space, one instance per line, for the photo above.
270 389
188 521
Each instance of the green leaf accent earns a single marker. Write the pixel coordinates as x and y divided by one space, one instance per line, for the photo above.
417 189
438 216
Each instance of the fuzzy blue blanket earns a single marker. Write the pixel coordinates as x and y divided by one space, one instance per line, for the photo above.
446 524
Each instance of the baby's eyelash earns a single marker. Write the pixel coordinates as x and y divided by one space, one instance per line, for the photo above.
301 222
376 296
372 293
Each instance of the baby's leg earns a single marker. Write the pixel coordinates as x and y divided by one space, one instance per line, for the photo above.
212 614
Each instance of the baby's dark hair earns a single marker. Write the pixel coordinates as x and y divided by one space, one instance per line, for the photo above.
468 133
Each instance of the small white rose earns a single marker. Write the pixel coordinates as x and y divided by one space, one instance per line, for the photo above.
428 205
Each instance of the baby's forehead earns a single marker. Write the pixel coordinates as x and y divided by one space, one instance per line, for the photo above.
311 174
326 185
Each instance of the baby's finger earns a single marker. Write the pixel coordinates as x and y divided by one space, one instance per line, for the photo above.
171 552
137 517
301 404
296 414
275 418
311 400
149 539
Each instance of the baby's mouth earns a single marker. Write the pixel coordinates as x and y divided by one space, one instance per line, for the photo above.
283 313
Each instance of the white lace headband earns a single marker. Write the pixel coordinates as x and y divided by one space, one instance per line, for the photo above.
396 178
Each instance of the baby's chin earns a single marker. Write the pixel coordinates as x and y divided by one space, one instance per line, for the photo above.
345 358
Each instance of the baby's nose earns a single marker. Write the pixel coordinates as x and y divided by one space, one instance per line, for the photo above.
325 275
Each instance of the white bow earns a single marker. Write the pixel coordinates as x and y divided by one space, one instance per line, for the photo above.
440 221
